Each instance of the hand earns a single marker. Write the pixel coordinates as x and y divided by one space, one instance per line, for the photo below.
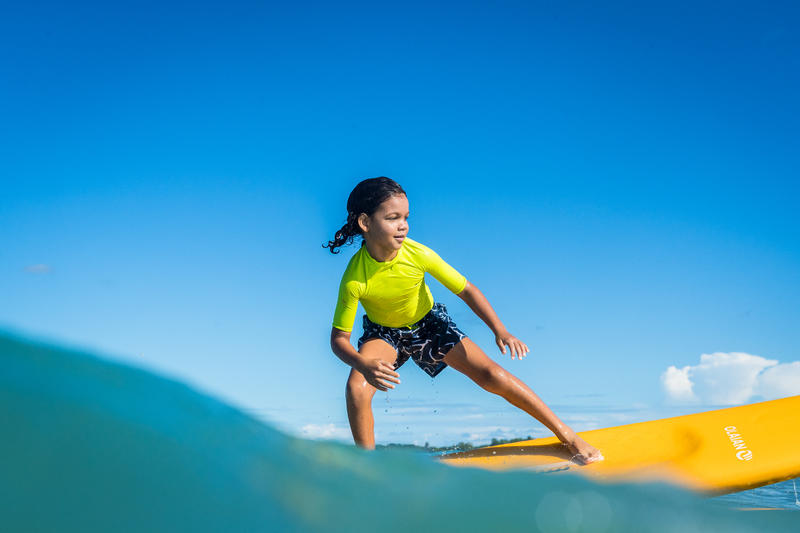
518 348
379 374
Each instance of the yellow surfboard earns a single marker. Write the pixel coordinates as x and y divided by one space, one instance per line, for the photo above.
716 452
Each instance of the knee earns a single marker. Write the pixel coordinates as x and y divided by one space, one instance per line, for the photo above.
357 390
492 378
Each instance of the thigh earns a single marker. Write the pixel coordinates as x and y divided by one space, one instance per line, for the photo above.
468 358
378 348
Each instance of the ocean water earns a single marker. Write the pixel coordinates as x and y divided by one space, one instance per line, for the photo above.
88 445
783 496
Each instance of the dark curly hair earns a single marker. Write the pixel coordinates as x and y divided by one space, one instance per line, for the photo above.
365 198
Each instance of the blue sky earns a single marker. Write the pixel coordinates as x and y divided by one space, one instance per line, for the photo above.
620 180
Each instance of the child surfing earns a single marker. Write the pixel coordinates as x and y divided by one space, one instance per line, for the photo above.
387 276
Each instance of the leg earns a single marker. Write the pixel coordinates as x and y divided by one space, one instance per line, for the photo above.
469 359
359 393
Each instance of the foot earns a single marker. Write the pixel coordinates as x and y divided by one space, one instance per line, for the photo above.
582 452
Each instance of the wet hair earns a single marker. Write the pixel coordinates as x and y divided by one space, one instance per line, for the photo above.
365 198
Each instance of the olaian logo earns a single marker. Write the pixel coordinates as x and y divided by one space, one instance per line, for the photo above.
736 439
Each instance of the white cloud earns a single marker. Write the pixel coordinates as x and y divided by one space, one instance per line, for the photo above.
731 379
325 431
728 378
780 381
677 384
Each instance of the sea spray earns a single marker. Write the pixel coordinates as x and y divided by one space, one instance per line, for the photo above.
92 445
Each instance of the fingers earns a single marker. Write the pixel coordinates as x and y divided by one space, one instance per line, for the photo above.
386 371
518 348
379 383
387 368
521 348
386 377
382 385
501 345
382 376
512 345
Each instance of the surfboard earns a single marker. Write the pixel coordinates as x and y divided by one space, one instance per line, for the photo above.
715 452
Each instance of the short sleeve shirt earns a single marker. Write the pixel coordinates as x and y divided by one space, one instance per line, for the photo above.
393 293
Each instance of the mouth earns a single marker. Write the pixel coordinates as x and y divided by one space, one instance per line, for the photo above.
399 238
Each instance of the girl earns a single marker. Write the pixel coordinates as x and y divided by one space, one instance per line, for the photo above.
387 275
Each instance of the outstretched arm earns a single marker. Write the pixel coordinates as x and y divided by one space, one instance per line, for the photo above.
480 305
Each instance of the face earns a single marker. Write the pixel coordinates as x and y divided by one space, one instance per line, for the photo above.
388 225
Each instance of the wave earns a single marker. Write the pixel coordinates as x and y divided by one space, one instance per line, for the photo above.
88 444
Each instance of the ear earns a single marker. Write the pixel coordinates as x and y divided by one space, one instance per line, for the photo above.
363 222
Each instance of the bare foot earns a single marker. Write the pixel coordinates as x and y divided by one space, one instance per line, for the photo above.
582 452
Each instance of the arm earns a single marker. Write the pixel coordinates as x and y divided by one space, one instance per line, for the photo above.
377 372
476 301
341 346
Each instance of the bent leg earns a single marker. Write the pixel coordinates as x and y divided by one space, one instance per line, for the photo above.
470 360
359 393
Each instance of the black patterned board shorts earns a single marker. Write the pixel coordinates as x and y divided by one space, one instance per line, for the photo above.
425 342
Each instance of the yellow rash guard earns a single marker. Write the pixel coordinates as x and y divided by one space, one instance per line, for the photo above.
393 293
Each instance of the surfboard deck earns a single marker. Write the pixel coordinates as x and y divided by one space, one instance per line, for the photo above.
715 452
